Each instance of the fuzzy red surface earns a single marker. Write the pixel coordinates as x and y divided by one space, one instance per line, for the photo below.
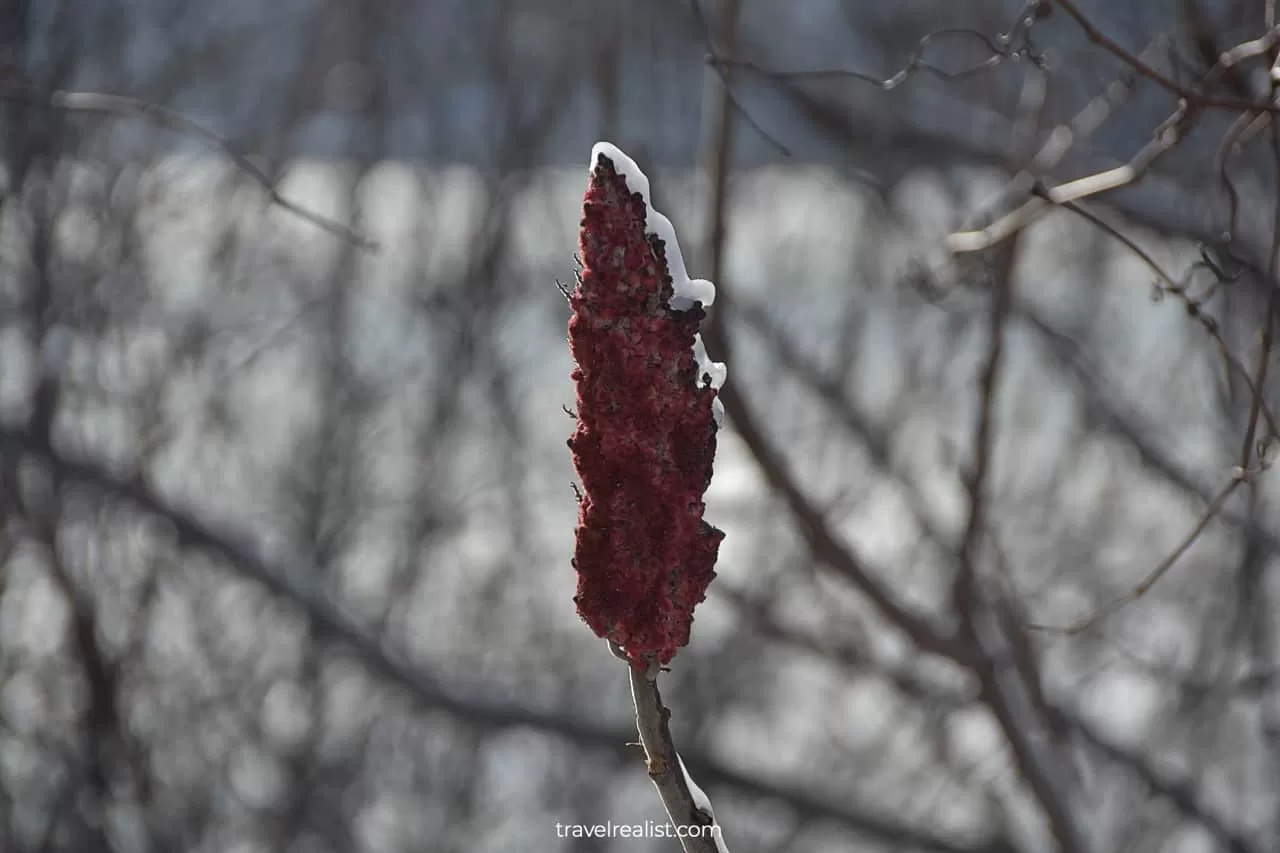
645 437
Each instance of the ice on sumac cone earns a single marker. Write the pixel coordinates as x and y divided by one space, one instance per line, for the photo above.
647 415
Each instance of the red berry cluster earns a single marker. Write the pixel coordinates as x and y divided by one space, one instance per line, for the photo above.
645 437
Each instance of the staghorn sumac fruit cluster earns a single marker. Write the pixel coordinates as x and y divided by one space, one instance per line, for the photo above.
646 427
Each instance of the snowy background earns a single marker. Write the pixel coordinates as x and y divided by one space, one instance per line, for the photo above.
285 525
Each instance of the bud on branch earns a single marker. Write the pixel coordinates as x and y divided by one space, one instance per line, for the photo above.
647 419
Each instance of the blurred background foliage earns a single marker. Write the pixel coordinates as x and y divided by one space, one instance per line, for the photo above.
285 522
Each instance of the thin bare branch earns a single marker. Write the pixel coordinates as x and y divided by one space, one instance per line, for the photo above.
663 763
1010 699
122 106
1180 289
915 63
1193 97
1140 589
1180 792
1256 403
1045 197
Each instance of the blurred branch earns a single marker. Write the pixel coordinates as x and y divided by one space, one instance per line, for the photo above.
122 106
1166 136
1210 513
289 581
1181 290
1104 410
101 678
1256 403
984 430
1180 792
855 661
1204 40
1012 695
825 546
1044 197
724 98
1194 98
915 63
875 439
1015 44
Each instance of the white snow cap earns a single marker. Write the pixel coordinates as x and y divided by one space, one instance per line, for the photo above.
685 291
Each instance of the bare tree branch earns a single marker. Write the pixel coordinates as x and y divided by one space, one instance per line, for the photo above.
122 106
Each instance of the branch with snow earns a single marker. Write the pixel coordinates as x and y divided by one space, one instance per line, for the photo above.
643 447
687 804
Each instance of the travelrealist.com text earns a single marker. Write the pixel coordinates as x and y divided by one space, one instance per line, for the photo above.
648 829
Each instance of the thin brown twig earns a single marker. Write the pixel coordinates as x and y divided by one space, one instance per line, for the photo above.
1229 146
1015 43
745 113
1180 290
1268 319
1140 589
1252 125
914 64
718 146
1193 97
1240 475
726 94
